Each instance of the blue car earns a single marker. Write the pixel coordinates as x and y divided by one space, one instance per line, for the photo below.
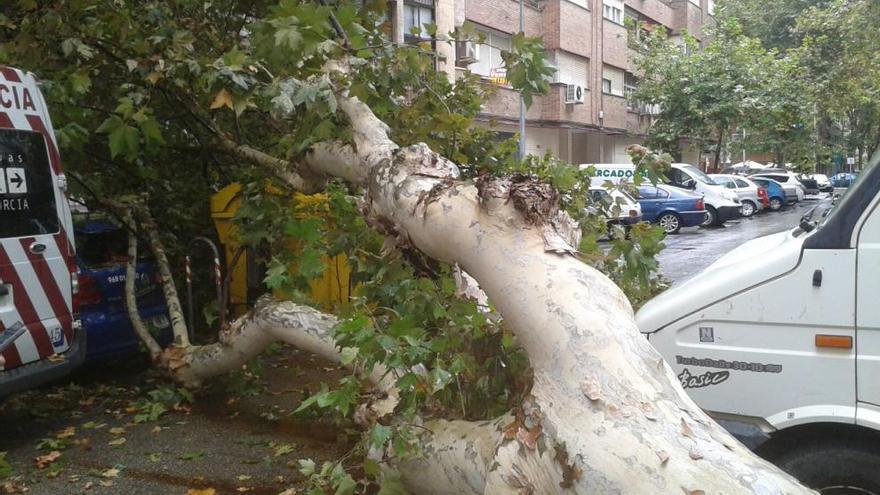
844 179
775 192
671 208
101 254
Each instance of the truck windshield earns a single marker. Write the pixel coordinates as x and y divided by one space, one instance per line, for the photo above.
27 193
699 175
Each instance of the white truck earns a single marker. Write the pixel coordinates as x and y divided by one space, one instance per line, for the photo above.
779 340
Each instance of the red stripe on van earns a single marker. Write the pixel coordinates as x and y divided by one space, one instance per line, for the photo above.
54 159
5 121
50 286
25 307
11 355
9 73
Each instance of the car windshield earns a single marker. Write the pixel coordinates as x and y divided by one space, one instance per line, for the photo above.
699 175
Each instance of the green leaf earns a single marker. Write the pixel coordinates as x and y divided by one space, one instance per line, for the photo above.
124 140
306 467
109 125
6 470
379 434
440 378
191 456
151 132
346 485
348 355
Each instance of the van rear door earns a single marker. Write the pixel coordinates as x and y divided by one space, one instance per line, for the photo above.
35 251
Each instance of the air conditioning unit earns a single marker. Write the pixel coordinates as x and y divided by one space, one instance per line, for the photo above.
466 53
574 94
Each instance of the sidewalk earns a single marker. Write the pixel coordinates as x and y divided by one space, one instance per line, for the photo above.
108 442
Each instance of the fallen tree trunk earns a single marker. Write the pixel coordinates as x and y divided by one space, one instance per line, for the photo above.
605 413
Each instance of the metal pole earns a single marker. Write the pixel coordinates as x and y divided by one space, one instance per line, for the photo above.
522 103
744 147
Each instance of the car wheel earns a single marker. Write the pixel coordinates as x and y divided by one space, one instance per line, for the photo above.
711 217
775 204
748 208
834 467
670 223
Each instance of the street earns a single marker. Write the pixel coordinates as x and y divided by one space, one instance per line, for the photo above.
695 248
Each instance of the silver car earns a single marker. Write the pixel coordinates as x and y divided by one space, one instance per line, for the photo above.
747 191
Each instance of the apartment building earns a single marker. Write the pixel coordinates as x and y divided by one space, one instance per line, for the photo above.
587 116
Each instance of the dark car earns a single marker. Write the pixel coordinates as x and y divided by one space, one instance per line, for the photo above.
775 193
101 255
671 208
811 185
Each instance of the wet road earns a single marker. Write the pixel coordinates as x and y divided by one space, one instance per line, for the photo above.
695 248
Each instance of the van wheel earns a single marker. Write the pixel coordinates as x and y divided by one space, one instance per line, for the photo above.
670 223
775 204
711 217
748 208
834 467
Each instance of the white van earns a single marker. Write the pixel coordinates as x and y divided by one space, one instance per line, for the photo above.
721 204
39 337
780 341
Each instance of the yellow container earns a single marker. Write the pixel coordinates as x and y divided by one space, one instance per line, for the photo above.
333 287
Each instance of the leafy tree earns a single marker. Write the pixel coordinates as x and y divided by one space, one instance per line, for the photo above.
705 95
484 353
843 67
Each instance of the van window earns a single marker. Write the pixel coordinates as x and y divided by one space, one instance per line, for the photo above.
27 195
698 174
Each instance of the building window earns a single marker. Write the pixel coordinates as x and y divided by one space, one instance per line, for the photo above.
630 84
711 7
415 16
612 81
613 10
489 63
571 69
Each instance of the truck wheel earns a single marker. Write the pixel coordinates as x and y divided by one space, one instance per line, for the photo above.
711 217
775 204
669 222
834 467
748 208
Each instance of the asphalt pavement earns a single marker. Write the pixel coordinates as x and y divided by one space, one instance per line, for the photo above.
695 248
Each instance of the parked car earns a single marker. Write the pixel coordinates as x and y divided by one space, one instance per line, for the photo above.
721 204
784 177
844 179
777 196
752 196
101 257
618 207
671 208
823 182
811 185
41 340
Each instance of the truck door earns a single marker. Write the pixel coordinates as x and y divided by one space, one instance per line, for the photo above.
868 309
34 274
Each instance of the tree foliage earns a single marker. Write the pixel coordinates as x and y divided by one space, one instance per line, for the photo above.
706 94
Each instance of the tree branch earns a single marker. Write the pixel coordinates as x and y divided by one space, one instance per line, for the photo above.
131 298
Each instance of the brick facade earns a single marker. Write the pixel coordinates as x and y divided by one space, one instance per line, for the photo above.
577 28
